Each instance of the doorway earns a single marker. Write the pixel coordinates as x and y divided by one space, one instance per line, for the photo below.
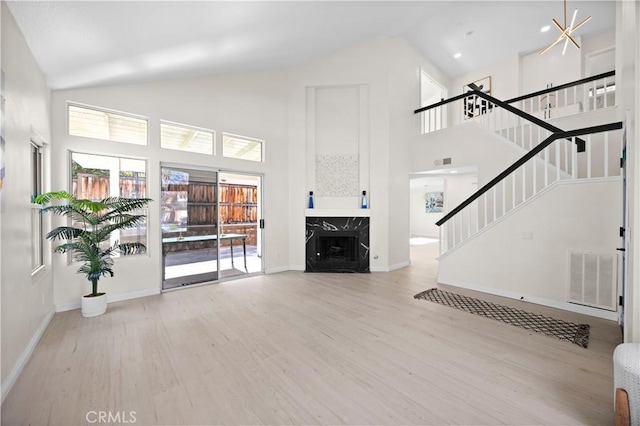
432 92
210 224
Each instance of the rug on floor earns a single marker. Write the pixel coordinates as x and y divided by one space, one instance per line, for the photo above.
574 333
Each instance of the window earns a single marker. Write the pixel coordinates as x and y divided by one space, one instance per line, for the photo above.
37 236
242 148
111 126
186 138
95 177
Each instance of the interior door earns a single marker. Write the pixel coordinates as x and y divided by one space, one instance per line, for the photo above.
189 221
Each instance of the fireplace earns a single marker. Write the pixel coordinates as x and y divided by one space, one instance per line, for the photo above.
337 244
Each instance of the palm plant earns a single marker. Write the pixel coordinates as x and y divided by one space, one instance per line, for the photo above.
92 223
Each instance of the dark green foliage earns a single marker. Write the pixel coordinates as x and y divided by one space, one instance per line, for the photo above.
93 222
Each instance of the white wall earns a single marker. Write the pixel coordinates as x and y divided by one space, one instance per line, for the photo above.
252 104
598 53
390 69
458 188
525 254
27 302
504 78
538 72
468 145
423 224
628 79
405 65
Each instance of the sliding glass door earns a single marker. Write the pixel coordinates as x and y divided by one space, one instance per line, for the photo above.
240 217
211 225
189 221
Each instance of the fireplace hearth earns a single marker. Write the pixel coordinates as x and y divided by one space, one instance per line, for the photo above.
337 244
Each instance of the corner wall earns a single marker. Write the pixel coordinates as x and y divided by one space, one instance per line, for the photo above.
249 104
27 302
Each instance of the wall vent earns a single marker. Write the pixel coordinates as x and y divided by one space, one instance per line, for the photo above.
442 161
593 279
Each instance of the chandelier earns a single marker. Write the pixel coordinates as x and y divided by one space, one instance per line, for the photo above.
566 31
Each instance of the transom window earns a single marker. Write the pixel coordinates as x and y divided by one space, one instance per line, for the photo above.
108 125
242 147
186 138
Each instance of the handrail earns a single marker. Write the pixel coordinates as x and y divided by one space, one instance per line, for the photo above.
442 102
563 86
519 98
580 143
529 155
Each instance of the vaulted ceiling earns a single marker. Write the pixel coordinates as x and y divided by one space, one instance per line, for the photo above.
85 43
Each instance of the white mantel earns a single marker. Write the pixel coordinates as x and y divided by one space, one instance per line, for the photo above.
337 213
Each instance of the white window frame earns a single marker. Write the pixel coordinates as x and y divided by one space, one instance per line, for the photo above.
261 141
115 236
107 111
36 174
187 126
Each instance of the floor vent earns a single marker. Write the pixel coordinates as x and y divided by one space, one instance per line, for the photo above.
592 279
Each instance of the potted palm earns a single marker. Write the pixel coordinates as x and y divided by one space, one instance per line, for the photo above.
88 236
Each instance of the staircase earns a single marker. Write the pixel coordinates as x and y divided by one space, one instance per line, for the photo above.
574 163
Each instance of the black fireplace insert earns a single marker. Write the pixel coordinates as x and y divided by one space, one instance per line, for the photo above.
337 245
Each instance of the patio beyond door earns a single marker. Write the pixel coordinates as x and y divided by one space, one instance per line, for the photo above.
209 226
189 220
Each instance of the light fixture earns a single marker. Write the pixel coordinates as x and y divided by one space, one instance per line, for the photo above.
566 31
457 55
453 171
545 29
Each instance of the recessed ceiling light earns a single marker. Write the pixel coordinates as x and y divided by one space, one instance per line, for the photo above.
545 29
453 171
457 55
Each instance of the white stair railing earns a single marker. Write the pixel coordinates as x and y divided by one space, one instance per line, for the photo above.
529 129
530 175
588 94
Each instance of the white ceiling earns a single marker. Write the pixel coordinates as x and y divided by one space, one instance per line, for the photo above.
85 43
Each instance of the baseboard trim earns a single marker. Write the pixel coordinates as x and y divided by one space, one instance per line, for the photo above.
26 355
566 306
277 269
399 265
112 298
132 295
390 267
296 268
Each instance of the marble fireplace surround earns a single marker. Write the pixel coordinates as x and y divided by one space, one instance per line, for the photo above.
348 226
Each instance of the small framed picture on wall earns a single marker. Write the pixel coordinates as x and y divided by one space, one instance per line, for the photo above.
434 202
473 105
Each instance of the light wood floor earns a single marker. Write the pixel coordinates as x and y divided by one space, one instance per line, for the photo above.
295 348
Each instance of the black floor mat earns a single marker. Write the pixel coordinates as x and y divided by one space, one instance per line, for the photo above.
574 333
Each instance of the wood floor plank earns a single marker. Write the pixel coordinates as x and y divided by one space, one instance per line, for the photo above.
295 348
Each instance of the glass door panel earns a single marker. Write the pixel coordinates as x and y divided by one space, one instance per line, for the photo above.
240 234
189 221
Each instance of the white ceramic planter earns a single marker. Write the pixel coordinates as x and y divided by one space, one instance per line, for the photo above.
94 306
